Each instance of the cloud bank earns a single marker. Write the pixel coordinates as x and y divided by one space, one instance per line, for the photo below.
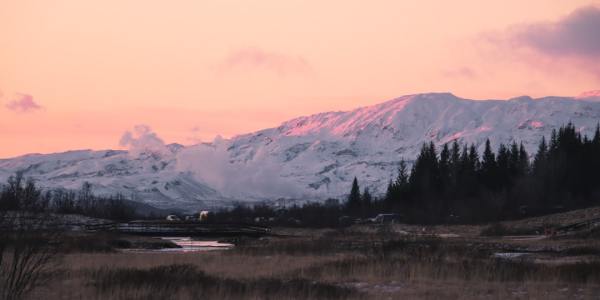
210 163
578 34
259 176
23 103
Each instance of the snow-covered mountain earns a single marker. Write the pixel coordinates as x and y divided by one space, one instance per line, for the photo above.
312 157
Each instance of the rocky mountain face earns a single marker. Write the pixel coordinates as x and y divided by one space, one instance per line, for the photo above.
307 158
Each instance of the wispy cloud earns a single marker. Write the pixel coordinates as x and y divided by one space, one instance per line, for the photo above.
23 103
578 34
462 72
252 58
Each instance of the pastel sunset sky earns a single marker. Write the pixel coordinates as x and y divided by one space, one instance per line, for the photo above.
76 74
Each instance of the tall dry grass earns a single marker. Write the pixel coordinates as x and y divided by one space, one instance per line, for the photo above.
329 265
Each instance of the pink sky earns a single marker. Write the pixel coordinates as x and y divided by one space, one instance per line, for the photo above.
76 75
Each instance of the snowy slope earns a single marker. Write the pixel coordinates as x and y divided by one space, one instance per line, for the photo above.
311 157
149 177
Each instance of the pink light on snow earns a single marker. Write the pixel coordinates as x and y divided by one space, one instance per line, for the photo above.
484 129
537 124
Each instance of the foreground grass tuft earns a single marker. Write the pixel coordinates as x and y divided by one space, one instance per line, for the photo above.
183 281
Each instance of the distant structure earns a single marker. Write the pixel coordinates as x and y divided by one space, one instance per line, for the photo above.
203 216
173 218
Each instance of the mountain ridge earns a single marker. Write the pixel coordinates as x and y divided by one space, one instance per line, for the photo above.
308 157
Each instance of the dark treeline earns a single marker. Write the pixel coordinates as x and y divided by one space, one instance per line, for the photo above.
457 184
20 194
314 214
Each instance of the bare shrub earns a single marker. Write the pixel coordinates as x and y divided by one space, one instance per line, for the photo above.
28 246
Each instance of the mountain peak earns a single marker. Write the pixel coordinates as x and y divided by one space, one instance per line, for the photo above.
400 102
426 96
438 95
521 98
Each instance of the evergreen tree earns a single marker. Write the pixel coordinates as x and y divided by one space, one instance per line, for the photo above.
455 154
444 166
513 161
489 167
464 159
424 177
454 165
463 169
366 202
523 161
353 204
503 166
541 157
402 178
553 141
389 192
596 139
469 172
397 190
473 159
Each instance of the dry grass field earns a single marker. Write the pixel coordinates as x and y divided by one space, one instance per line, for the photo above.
360 262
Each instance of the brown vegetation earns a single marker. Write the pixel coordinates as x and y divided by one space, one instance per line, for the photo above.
363 262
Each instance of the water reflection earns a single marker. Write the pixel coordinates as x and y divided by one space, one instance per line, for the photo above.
189 245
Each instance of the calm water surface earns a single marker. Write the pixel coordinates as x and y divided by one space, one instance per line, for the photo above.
190 245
